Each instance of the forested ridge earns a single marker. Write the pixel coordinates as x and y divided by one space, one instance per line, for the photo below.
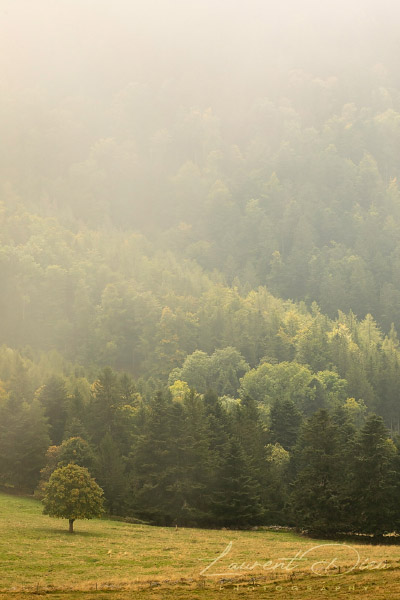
200 286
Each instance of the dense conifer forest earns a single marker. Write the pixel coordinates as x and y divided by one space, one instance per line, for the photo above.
200 284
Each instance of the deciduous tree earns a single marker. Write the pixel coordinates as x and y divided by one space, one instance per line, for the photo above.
73 494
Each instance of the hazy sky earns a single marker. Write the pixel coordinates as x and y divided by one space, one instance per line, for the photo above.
103 44
88 86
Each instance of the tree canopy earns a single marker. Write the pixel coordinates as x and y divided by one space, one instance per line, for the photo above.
72 493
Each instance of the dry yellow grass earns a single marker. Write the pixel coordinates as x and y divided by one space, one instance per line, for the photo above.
118 560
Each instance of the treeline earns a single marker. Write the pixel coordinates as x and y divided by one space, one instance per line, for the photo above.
98 299
199 460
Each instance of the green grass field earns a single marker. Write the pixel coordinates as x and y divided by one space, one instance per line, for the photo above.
115 560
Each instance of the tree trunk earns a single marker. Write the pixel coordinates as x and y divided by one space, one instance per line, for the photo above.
71 525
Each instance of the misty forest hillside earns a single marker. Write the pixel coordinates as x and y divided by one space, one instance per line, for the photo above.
202 200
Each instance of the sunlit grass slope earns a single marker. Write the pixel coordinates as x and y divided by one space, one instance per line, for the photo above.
110 558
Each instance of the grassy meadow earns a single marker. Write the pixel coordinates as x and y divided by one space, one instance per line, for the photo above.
112 559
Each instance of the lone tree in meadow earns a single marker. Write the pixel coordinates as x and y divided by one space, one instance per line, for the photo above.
72 494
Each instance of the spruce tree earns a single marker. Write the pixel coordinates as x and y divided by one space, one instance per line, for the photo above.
103 404
316 499
196 463
375 502
77 417
54 399
284 423
237 500
109 469
24 440
219 423
153 463
250 432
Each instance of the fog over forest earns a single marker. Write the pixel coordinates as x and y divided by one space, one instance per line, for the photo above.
259 141
76 72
